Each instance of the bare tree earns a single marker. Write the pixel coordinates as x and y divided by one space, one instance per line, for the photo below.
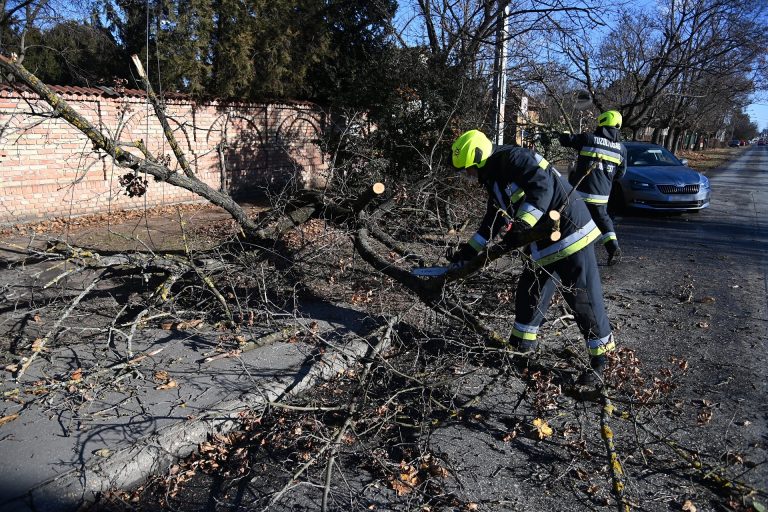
647 59
20 16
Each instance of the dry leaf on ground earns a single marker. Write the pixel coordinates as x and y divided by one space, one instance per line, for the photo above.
688 506
8 419
542 428
168 385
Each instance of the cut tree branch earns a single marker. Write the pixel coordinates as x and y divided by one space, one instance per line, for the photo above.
160 113
121 157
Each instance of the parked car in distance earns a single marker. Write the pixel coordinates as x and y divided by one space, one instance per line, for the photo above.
657 180
761 142
734 143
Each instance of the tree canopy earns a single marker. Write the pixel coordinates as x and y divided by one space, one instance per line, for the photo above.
422 71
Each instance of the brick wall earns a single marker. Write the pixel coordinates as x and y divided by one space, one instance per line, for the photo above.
48 168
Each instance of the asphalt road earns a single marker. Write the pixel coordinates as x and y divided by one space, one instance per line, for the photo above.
734 224
719 253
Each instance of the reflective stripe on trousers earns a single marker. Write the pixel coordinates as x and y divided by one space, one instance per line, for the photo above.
600 346
599 213
579 278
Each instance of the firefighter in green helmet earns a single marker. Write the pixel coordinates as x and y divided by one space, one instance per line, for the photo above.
601 160
522 186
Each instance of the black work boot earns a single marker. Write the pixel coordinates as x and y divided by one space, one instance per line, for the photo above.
614 252
528 349
593 376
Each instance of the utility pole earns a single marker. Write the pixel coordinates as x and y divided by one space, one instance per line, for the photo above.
500 73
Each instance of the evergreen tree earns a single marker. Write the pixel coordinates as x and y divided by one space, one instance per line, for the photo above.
184 36
356 65
257 49
73 53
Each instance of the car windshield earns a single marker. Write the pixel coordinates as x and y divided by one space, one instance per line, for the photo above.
650 155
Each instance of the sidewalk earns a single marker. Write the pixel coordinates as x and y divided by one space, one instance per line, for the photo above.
80 421
106 431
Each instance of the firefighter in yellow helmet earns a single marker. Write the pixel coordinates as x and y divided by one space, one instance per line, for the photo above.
522 186
601 160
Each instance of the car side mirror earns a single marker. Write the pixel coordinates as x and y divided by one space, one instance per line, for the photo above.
684 161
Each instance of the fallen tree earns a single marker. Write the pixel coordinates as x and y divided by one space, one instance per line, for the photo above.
374 219
347 212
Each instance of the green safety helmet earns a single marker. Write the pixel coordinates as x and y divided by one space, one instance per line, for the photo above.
610 118
471 148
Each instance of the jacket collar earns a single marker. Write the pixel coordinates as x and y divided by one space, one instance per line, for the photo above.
608 132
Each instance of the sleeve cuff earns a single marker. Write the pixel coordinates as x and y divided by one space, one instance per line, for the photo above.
478 243
529 214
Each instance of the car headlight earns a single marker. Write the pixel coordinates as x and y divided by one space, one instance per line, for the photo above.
704 182
640 185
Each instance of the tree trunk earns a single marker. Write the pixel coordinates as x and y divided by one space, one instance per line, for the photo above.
656 135
668 140
679 134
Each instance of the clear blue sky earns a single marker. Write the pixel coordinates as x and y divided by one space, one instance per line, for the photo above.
758 112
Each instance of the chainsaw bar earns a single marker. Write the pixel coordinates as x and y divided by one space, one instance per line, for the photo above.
429 271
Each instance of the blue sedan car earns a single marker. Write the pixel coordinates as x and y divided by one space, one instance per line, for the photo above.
657 180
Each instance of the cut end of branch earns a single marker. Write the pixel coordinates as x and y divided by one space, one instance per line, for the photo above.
554 216
139 67
378 188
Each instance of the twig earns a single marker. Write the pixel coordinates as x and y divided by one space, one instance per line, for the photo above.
160 113
39 344
707 473
617 471
257 343
136 322
102 371
203 277
304 409
353 406
163 290
334 443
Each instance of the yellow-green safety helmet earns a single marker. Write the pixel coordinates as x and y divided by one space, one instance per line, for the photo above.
471 148
610 118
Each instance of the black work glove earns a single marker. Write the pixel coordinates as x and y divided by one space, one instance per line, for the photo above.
512 239
563 138
464 252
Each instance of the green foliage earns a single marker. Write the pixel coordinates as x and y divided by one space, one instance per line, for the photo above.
72 53
424 105
429 104
256 49
263 50
187 29
353 67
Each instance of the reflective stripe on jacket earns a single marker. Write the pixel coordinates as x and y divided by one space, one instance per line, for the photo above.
602 159
522 185
594 198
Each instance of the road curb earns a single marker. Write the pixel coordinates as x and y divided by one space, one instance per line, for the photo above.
130 466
